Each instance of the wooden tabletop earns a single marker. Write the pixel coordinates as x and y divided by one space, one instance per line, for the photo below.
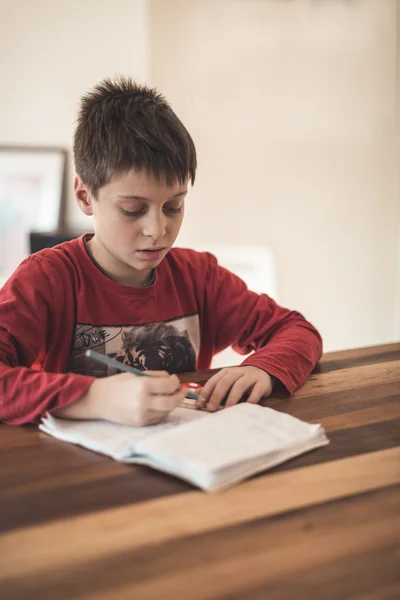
325 525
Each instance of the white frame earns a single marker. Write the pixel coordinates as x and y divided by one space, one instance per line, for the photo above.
44 170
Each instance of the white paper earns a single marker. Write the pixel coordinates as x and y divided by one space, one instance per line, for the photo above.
232 435
210 450
109 438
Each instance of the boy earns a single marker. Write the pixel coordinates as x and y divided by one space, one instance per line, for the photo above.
125 293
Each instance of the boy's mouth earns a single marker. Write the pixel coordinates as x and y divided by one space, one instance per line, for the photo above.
151 253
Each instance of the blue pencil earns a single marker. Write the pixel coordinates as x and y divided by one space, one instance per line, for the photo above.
123 367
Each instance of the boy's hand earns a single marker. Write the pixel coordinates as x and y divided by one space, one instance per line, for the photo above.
128 399
232 383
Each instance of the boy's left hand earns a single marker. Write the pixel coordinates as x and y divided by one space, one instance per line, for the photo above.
232 383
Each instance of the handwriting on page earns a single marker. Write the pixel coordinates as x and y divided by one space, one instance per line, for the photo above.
117 440
231 435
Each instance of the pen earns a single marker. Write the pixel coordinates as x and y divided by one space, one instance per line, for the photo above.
123 367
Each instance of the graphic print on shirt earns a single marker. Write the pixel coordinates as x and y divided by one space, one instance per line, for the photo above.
171 346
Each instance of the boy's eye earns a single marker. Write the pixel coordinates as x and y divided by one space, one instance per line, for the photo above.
171 210
129 213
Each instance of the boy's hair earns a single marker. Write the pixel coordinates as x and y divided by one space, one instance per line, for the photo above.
123 125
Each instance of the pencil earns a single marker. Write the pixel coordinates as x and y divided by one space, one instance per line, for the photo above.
128 369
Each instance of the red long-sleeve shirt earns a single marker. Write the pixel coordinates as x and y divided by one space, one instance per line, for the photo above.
58 303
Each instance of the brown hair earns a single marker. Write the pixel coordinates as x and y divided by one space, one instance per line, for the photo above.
123 125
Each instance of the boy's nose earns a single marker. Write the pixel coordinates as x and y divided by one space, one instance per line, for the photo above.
155 228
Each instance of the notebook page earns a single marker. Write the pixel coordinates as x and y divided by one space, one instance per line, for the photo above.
226 476
230 436
109 438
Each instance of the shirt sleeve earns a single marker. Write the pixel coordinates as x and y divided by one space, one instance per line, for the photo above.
27 321
283 343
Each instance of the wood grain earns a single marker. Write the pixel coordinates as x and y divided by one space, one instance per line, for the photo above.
271 551
347 379
264 552
331 403
331 361
63 542
371 575
324 525
346 359
96 487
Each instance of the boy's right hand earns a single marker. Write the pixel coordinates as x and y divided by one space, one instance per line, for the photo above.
128 399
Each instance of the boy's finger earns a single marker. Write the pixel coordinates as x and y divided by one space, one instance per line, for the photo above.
257 393
211 384
222 390
201 402
164 403
237 391
162 385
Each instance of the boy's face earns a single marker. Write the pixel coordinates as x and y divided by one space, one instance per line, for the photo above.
136 222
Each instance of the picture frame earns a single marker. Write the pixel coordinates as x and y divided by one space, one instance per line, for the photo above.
32 198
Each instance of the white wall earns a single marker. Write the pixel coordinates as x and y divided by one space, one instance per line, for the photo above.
292 108
51 53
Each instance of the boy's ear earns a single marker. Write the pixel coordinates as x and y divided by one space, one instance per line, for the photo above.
83 196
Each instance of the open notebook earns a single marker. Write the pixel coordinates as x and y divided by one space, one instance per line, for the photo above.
210 450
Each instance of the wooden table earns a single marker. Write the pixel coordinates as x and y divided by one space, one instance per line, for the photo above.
325 525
